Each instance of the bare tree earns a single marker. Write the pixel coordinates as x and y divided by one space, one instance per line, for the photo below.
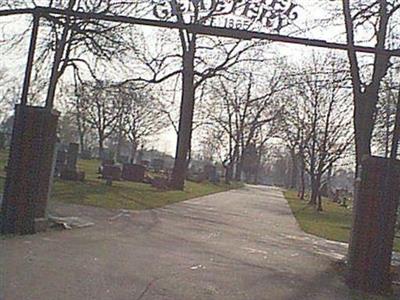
386 113
143 117
196 66
103 109
68 42
245 110
9 94
318 125
378 16
293 132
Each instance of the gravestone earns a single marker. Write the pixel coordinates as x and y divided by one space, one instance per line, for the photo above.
133 172
195 174
211 174
145 163
61 159
336 196
86 154
123 159
157 165
106 155
70 171
107 162
214 178
72 156
111 172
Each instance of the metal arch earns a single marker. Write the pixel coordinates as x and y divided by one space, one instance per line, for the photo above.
202 29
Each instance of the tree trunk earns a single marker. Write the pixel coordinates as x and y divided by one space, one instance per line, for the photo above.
186 118
364 110
82 141
373 230
256 175
56 73
132 153
119 144
189 154
79 122
319 202
228 173
302 186
369 266
101 148
238 171
294 171
258 167
315 185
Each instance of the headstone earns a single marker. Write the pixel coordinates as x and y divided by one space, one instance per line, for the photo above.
145 163
107 162
157 165
86 154
72 156
70 171
133 172
61 158
215 178
112 172
211 173
336 196
344 202
123 159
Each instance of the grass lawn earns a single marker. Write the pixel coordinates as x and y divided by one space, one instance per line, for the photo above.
122 194
333 223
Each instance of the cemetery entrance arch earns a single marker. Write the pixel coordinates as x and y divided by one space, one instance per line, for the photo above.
35 129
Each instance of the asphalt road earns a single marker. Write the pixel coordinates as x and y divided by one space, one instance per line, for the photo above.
242 244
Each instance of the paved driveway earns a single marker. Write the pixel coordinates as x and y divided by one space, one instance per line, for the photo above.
242 244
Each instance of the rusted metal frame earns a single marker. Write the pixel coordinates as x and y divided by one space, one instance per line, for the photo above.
217 31
13 12
206 30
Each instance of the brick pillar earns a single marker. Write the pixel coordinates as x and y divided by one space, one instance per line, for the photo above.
374 217
29 169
